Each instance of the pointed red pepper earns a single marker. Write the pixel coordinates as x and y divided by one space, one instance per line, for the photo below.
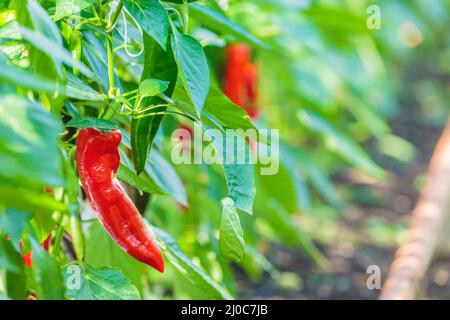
97 163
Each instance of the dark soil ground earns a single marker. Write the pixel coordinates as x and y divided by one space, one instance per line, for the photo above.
367 233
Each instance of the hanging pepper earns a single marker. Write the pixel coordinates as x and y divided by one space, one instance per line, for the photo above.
241 78
97 163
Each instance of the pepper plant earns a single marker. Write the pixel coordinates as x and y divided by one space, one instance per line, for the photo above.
138 70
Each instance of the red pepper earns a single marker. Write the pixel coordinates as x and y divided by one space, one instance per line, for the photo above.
241 79
97 163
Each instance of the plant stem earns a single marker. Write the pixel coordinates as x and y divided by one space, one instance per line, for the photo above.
86 21
185 15
58 239
115 16
130 92
166 112
109 49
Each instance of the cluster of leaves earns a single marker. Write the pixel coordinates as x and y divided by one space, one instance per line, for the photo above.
144 67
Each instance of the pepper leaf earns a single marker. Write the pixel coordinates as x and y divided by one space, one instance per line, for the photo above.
141 182
47 275
12 223
231 237
187 269
65 8
217 109
101 250
191 60
161 65
28 145
7 261
77 89
58 53
11 261
87 283
152 87
217 21
89 122
24 79
240 177
164 175
152 17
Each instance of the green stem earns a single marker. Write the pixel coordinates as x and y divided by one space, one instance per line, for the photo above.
166 98
129 92
110 111
164 113
86 21
156 106
185 16
94 12
110 53
115 16
58 239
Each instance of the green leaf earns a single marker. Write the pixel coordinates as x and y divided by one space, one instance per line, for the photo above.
217 109
71 109
16 282
54 50
152 17
161 65
77 89
11 261
90 122
12 223
187 269
152 87
217 21
101 251
28 200
47 275
65 8
24 79
240 178
341 144
28 144
165 176
7 259
9 31
231 237
105 283
191 60
141 182
42 22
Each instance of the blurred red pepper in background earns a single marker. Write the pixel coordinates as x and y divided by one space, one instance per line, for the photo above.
241 79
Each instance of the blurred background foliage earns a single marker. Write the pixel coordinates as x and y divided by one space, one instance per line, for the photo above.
358 111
